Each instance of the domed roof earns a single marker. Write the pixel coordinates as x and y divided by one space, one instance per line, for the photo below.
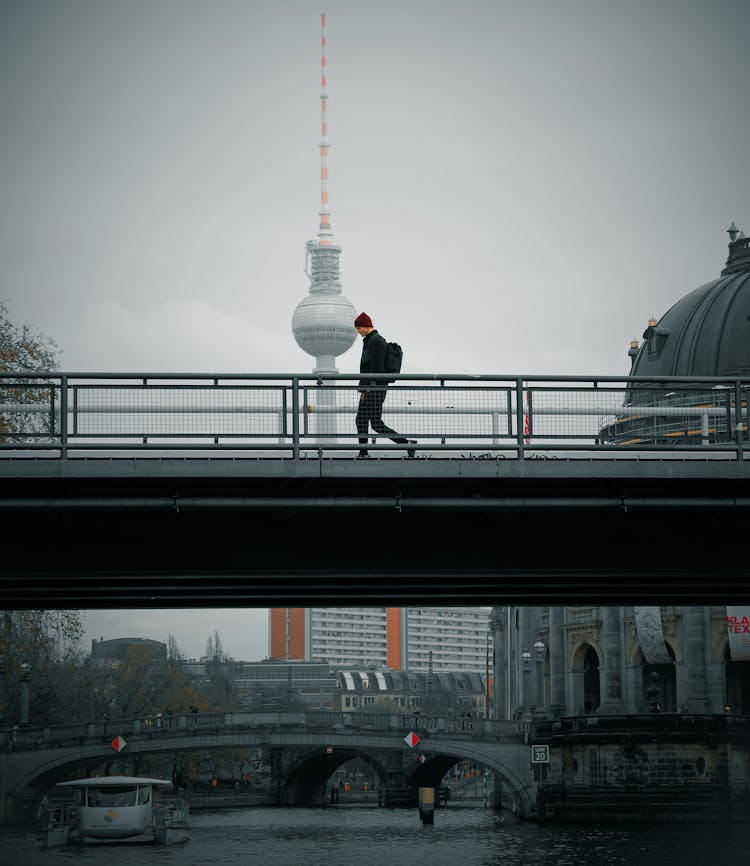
707 332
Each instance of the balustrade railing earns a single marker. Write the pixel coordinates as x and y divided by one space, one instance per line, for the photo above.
28 737
69 414
19 738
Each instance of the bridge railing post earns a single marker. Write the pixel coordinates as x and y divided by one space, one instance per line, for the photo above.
295 417
739 427
63 417
519 419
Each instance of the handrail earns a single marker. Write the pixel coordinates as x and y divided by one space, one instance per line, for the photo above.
27 737
208 412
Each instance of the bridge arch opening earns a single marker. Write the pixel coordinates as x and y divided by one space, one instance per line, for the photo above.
504 787
461 778
144 757
310 781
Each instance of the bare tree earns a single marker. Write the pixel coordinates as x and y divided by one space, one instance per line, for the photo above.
23 350
219 671
47 642
214 649
174 653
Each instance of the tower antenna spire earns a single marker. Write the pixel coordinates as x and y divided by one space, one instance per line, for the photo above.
325 232
323 322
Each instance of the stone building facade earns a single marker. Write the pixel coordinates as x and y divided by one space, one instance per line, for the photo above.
572 661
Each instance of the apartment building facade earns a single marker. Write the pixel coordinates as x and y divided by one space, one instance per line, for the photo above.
401 638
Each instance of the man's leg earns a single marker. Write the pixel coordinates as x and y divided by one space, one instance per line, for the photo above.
379 426
362 420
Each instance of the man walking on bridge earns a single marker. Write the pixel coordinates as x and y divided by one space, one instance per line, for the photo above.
372 391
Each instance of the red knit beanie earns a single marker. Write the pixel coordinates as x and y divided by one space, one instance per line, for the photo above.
363 321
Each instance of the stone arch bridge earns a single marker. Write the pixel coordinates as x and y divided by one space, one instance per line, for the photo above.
303 750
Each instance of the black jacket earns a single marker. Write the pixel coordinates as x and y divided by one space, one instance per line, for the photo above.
373 360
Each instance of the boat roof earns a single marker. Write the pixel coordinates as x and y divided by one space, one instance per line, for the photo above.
106 781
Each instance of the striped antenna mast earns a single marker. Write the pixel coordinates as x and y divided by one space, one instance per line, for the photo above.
322 323
325 232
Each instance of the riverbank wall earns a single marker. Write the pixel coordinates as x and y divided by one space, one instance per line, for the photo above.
672 768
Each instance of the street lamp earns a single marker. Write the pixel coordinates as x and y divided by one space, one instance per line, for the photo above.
539 685
25 676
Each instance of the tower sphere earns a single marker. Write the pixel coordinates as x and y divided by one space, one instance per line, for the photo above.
323 322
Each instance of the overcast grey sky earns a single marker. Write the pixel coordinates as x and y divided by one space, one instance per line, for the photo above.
516 186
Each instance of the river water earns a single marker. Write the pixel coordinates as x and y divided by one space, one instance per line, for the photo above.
371 836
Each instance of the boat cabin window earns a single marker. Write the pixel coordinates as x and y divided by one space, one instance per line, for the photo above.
120 795
144 795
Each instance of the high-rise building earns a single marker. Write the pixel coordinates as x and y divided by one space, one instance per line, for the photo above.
401 638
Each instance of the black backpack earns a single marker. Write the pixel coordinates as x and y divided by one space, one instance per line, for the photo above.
393 357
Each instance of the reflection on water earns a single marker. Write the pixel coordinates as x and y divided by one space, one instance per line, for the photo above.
352 836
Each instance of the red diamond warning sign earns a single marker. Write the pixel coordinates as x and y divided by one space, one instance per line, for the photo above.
118 744
411 739
422 759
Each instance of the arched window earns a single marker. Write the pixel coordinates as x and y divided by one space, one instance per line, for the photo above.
591 698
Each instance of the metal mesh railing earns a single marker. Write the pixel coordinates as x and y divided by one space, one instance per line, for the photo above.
169 411
427 412
29 410
280 413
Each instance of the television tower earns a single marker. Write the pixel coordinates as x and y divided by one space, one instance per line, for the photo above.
323 322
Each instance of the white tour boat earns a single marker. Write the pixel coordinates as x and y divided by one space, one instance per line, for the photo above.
116 809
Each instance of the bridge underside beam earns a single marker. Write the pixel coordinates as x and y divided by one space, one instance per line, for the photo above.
93 540
146 589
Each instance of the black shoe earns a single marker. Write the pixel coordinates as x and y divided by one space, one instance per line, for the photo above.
362 455
411 452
